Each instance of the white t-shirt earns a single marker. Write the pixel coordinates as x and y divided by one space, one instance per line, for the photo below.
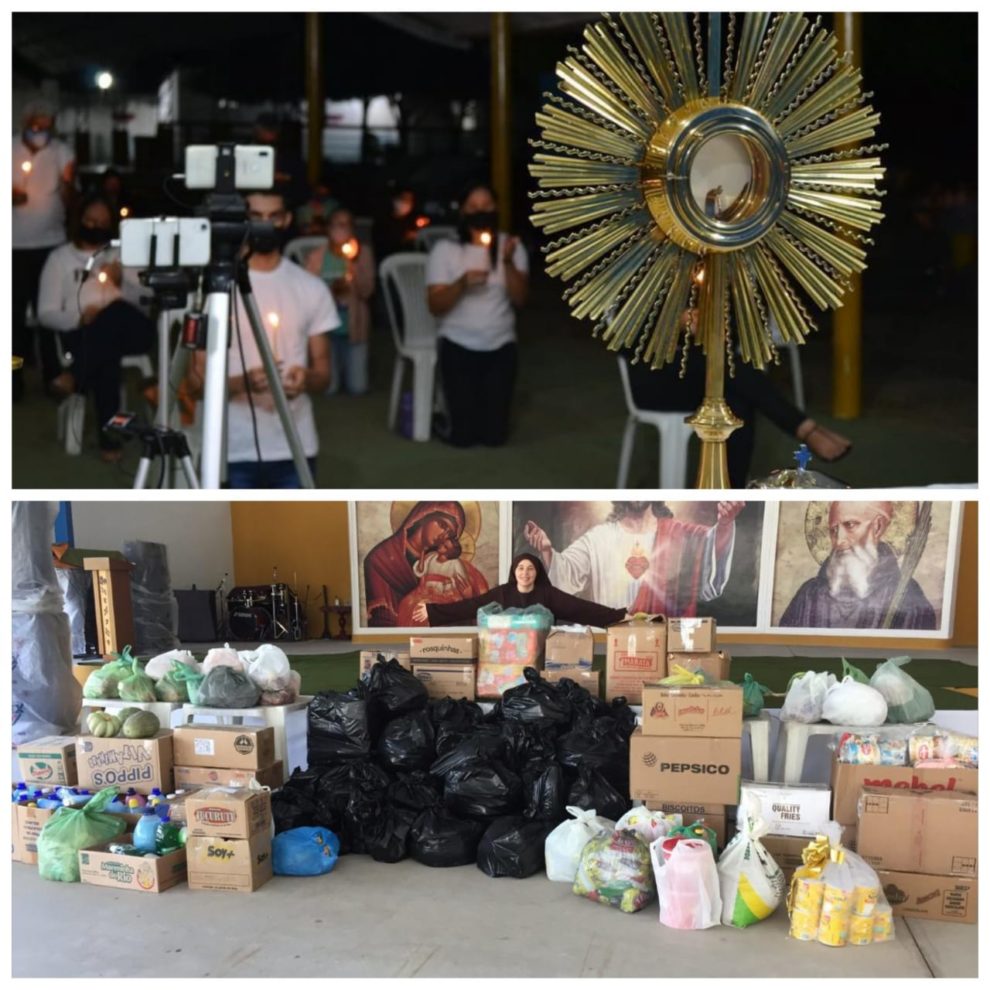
483 318
40 222
294 306
60 299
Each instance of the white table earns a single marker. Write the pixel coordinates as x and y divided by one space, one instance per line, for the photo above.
758 730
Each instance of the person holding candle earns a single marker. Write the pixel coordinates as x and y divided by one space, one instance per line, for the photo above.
96 315
297 311
43 180
348 269
474 287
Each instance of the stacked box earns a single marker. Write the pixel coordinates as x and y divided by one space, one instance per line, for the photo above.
714 665
117 761
924 846
570 652
636 654
142 873
50 761
691 635
226 755
229 847
715 816
447 665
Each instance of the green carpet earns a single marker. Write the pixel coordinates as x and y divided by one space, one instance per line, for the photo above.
338 672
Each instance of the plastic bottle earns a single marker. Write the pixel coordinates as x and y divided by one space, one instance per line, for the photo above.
50 801
116 807
144 831
167 837
156 797
72 798
132 795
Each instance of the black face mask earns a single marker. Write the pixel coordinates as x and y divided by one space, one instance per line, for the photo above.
95 235
477 221
267 242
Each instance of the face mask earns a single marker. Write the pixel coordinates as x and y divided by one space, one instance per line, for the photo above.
265 242
481 221
37 139
95 235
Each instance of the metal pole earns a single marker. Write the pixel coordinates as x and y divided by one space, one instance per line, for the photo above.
214 452
847 321
314 96
164 391
500 115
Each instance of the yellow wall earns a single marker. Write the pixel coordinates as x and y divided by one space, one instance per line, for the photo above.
305 539
311 538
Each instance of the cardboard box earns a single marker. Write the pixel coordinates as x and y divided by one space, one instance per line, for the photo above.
849 779
228 864
589 679
230 812
28 823
212 776
691 635
436 648
931 832
713 712
455 680
713 815
370 657
698 770
494 679
789 809
933 898
715 666
143 764
50 760
231 747
16 846
570 647
636 653
145 875
786 851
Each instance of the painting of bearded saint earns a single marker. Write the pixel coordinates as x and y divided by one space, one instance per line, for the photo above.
861 565
423 552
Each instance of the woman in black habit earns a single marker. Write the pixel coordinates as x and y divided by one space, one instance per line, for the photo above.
528 585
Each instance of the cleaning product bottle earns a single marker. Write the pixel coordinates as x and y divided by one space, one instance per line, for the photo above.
50 800
167 837
132 795
118 806
156 797
144 831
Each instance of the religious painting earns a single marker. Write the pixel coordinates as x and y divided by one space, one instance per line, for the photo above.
678 558
880 567
405 553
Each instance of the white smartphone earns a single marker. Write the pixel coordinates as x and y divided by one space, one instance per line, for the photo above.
193 242
254 166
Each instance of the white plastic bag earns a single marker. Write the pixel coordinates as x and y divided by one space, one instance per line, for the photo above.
648 825
269 668
565 843
806 696
222 657
851 703
687 884
158 667
907 700
750 882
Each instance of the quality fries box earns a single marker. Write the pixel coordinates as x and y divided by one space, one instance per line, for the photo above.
570 646
229 747
50 760
370 657
186 777
456 680
788 809
690 770
849 779
453 649
145 874
636 653
241 865
712 711
715 666
691 635
116 761
229 812
932 898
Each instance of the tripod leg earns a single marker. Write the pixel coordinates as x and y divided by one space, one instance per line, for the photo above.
189 471
215 387
143 469
275 386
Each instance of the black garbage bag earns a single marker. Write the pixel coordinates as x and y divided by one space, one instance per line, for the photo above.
415 791
486 742
583 702
440 838
332 794
406 743
291 809
224 687
545 794
592 791
512 846
385 834
528 744
304 781
536 701
623 716
338 727
597 743
393 689
453 720
483 789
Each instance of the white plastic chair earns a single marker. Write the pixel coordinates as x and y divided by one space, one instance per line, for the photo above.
428 236
414 330
675 435
299 248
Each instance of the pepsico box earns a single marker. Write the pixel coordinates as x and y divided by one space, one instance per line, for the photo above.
637 652
231 812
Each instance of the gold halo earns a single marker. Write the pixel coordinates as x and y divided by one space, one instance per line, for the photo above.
896 535
472 523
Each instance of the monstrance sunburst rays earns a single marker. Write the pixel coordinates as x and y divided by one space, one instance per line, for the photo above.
637 103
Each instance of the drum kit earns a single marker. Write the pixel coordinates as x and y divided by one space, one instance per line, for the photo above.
265 612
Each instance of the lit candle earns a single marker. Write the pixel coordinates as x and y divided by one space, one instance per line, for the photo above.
349 249
273 322
26 168
102 277
486 238
422 222
124 212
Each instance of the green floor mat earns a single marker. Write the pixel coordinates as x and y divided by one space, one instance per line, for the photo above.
338 672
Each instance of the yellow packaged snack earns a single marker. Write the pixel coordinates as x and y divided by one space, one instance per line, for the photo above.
833 929
865 900
804 925
861 930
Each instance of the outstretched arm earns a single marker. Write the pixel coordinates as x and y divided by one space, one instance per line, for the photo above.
464 612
